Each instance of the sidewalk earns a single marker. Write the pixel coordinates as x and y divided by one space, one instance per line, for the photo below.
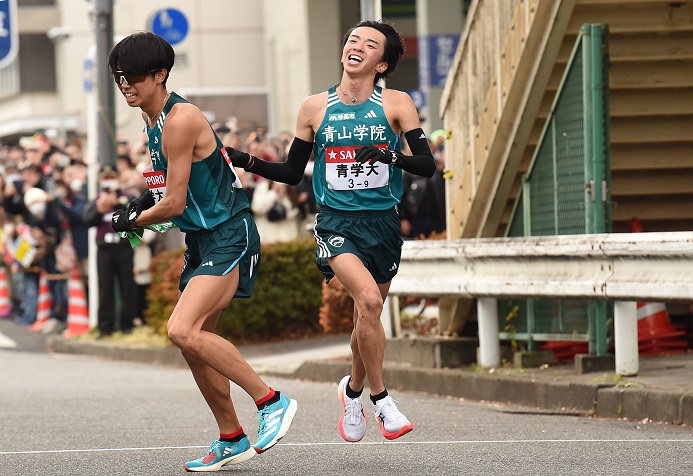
662 392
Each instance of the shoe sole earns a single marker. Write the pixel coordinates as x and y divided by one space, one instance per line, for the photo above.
340 426
283 429
239 458
394 435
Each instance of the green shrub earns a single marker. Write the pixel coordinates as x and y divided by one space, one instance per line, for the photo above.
285 303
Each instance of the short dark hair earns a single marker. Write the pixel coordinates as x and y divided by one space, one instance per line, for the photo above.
141 53
394 44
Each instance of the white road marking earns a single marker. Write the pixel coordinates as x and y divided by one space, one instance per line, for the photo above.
6 341
447 442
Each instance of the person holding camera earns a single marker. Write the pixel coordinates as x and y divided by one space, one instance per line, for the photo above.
275 211
114 256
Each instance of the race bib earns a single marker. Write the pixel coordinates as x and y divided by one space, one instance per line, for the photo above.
156 182
344 173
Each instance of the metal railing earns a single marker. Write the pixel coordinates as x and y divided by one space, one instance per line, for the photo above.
620 268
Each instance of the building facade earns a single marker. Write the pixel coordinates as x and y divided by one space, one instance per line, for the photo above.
247 63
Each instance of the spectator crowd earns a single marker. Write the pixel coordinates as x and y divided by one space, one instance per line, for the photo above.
46 211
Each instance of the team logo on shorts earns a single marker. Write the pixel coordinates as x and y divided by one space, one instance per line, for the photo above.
336 241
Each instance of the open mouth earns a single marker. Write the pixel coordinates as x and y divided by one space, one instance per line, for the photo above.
355 58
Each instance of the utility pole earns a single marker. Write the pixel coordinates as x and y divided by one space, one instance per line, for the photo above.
102 134
106 133
371 10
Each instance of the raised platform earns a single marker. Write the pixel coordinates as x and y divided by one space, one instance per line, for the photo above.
432 352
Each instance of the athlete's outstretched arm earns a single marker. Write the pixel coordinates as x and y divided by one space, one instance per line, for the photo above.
290 171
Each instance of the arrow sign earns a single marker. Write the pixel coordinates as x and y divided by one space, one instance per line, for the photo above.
9 41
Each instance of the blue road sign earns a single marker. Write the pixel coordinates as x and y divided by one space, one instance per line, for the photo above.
9 40
170 24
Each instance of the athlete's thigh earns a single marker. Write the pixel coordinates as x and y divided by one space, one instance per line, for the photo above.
209 324
357 279
204 297
352 273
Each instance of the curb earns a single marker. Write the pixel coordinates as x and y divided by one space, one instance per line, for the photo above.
604 400
559 396
645 404
170 356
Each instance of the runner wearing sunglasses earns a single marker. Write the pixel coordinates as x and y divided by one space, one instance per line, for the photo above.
130 78
198 190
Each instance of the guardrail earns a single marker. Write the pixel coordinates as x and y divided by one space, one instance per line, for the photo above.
623 268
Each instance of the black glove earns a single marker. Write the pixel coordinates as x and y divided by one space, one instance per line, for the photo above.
374 154
238 158
124 220
143 202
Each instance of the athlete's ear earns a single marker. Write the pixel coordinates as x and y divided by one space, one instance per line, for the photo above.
160 75
381 67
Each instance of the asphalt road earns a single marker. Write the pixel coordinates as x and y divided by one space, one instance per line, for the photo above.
73 415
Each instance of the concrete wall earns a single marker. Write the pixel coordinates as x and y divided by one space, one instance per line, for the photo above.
223 50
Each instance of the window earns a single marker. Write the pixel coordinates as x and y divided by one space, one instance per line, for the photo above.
36 63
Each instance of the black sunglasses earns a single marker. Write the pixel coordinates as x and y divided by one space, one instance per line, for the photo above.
130 78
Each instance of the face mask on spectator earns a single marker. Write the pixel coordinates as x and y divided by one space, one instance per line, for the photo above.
38 209
109 185
76 185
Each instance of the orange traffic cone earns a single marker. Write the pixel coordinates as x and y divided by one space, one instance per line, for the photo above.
77 310
566 350
5 303
45 304
656 334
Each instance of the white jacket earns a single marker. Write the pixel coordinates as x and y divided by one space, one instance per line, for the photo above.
264 199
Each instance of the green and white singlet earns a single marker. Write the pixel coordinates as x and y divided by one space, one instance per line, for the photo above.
341 183
215 193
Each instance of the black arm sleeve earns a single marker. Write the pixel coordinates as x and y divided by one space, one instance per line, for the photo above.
421 161
289 171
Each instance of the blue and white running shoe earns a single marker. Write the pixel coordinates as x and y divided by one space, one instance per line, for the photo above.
275 421
222 453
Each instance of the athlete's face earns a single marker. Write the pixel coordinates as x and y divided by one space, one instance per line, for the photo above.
137 89
363 51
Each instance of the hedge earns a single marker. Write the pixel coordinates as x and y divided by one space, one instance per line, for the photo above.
286 301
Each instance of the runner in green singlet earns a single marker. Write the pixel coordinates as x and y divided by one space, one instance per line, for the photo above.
192 183
355 129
